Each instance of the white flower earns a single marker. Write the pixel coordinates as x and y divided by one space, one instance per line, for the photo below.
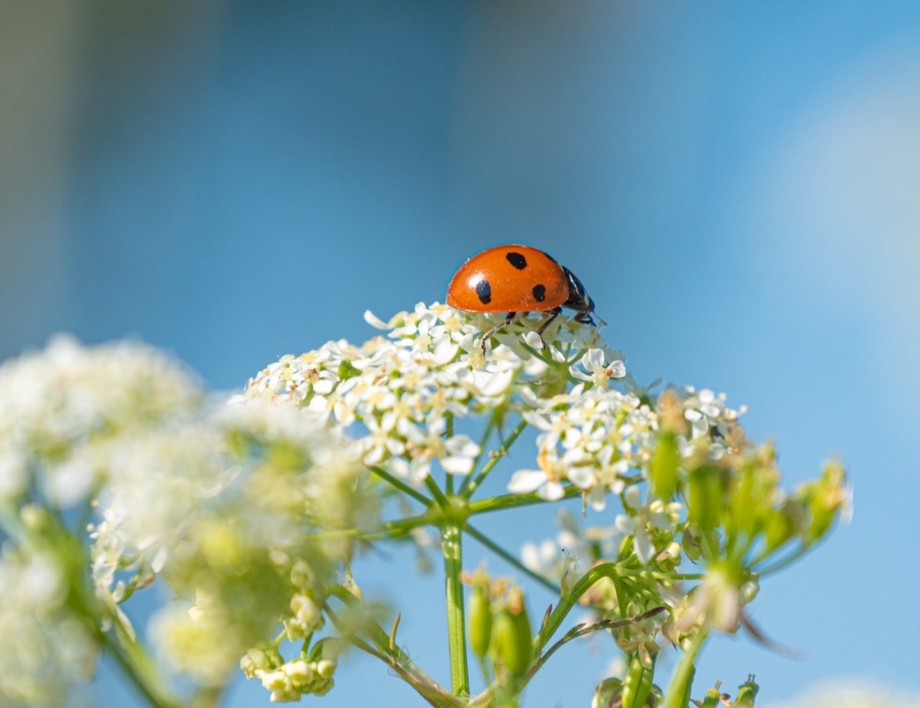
455 454
596 370
45 649
544 481
652 513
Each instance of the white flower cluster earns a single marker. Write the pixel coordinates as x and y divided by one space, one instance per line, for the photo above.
56 404
602 440
44 646
222 501
226 511
407 389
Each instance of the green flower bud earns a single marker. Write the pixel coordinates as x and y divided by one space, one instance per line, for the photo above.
512 641
35 518
746 693
831 496
504 649
480 618
782 525
608 693
706 500
663 466
638 684
713 697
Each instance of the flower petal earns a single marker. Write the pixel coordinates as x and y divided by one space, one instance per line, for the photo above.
524 481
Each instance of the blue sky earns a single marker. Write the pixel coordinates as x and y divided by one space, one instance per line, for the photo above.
736 185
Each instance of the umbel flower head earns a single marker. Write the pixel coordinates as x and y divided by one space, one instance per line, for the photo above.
688 482
223 502
253 511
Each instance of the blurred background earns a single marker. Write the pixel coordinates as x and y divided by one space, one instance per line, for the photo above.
737 185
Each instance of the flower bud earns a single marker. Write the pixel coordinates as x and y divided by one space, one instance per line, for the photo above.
638 684
746 694
35 518
663 466
782 525
831 495
480 619
518 609
749 590
512 643
325 668
608 693
713 697
299 671
706 497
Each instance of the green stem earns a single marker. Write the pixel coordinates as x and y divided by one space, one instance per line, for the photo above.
401 486
488 466
779 565
449 482
508 501
435 694
508 558
679 689
567 602
136 667
451 546
483 442
436 492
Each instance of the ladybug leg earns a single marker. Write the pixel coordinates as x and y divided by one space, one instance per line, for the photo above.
554 315
488 335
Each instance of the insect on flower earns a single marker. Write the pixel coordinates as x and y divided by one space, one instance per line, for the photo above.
517 279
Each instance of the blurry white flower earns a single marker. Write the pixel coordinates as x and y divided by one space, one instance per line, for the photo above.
45 648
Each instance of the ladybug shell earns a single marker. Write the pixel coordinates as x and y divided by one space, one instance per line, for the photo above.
509 279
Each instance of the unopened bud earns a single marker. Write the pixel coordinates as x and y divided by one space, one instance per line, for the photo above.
512 645
608 693
713 696
706 497
325 668
663 466
480 619
746 693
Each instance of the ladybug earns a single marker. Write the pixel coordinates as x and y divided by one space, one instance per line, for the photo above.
515 279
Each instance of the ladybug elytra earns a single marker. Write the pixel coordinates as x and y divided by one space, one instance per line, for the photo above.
515 279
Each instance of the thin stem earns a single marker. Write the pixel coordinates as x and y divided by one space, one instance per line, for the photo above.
137 675
508 558
401 486
436 492
567 602
508 501
392 656
664 576
683 676
779 565
449 482
483 442
451 546
581 630
488 466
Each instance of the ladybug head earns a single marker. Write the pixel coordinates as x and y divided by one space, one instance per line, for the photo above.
578 298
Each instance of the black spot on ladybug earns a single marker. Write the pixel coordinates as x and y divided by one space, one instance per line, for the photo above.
539 292
517 260
484 291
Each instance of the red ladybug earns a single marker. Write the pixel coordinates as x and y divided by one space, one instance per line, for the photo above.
517 279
